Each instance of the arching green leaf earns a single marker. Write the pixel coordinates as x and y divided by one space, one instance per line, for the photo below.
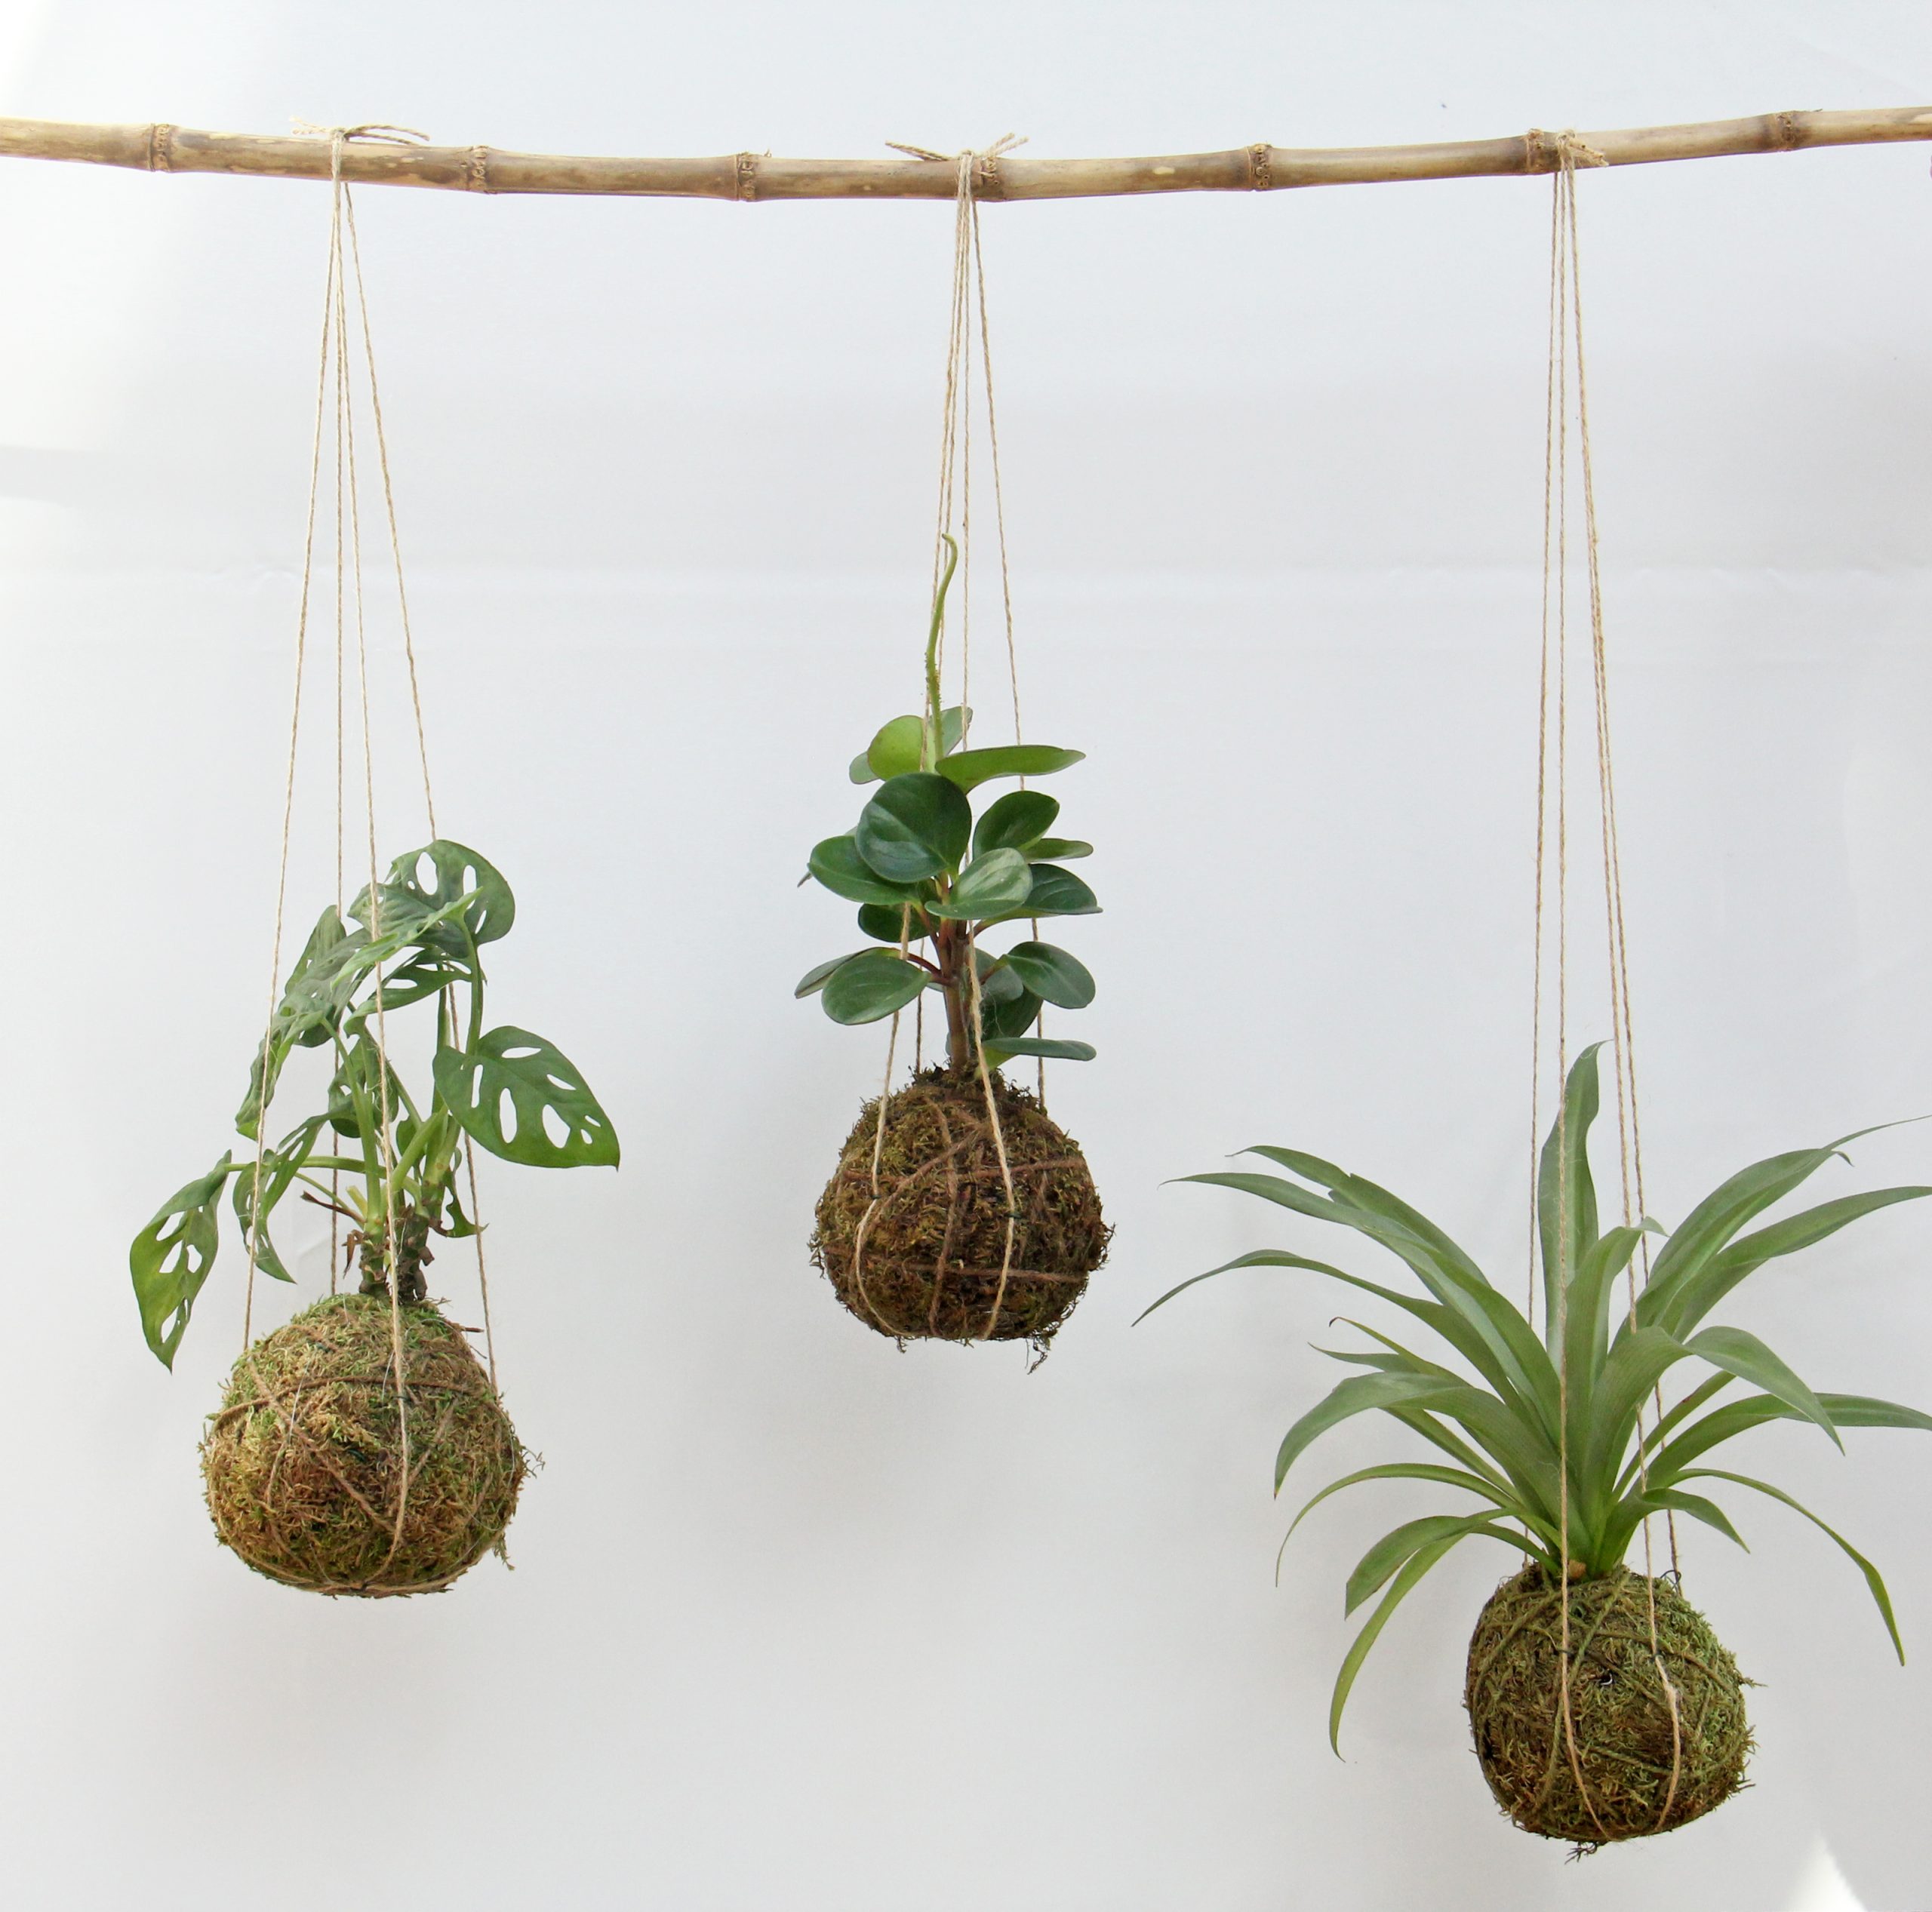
971 768
1566 1196
1019 818
1052 974
1402 1544
1051 1049
868 987
996 883
1746 1357
837 864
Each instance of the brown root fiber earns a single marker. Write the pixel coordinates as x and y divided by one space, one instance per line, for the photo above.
928 1265
1641 1771
303 1462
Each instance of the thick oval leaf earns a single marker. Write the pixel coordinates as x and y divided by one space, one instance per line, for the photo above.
1058 850
171 1259
1052 974
539 1085
870 986
885 925
917 826
895 749
815 979
996 884
1019 818
998 984
1058 893
837 864
1050 1049
1004 1017
971 768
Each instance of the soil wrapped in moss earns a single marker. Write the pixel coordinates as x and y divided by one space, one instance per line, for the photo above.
303 1462
921 1258
1641 1770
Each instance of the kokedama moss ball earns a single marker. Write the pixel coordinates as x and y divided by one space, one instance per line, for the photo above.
1640 1774
927 1266
303 1462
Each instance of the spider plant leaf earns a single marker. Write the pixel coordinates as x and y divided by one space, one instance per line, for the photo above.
1566 1195
971 768
1699 1293
540 1084
1873 1579
1708 1228
1361 1393
1746 1357
917 826
1631 1510
1442 1476
1738 1417
171 1259
1388 1553
1430 1428
1413 1569
1586 1314
1674 1417
1602 1417
1019 819
868 986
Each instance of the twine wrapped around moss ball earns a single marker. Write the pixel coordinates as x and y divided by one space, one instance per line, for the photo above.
1642 1770
302 1463
923 1261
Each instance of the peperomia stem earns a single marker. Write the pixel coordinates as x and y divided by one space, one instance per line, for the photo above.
932 748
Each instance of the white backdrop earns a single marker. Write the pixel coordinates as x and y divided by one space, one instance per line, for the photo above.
798 1622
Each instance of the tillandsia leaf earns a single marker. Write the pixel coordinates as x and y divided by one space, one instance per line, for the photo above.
171 1256
1058 850
887 924
917 826
540 1085
1634 1509
1566 1196
1057 892
1442 1476
1017 820
815 979
1361 1393
280 1166
1674 1457
1049 1049
1744 1355
837 864
996 884
1413 1570
1701 1293
868 987
1396 1549
1052 975
1873 1579
1587 1331
969 769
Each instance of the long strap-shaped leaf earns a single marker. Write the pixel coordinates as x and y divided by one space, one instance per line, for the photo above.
1566 1196
1671 1462
1402 1544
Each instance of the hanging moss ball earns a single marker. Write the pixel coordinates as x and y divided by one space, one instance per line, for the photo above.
1625 1767
918 1254
303 1462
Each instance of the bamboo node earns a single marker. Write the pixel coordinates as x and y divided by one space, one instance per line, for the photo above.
1261 166
476 170
1786 132
161 147
747 167
1546 152
991 186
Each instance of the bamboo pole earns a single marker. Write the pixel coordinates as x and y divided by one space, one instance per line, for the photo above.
161 148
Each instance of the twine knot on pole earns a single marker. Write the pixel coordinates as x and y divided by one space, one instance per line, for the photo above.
1550 152
984 159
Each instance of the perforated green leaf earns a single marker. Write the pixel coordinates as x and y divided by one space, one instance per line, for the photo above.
513 1090
171 1256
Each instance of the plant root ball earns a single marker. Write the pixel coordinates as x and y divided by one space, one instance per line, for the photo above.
922 1261
1640 1772
303 1462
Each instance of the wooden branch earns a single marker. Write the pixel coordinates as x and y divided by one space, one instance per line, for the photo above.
161 148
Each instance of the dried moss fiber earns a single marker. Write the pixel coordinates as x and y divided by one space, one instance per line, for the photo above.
928 1266
1638 1774
302 1463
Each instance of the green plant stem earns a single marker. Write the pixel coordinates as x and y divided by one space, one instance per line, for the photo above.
932 747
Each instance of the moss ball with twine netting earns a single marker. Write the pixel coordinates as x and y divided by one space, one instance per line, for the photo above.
303 1462
1641 1771
927 1264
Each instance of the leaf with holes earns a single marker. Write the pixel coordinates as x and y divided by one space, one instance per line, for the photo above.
541 1087
171 1256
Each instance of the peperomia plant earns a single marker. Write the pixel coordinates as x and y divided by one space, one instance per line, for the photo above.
418 938
929 879
1546 1432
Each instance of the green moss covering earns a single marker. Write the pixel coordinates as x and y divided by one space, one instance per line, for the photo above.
1640 1773
303 1462
928 1267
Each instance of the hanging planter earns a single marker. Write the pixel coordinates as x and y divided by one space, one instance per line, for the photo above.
959 1210
321 1471
1603 1706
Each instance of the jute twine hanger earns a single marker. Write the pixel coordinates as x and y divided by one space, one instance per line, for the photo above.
334 392
968 304
1566 351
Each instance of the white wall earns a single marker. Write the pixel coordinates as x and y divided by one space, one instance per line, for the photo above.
798 1622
